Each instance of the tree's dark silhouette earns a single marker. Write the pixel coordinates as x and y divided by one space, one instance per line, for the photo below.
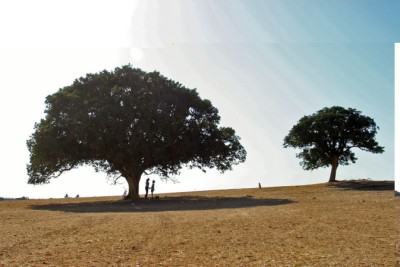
128 122
327 137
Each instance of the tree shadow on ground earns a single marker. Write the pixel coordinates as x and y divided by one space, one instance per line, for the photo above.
184 203
364 185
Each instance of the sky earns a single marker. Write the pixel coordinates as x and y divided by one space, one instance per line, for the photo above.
263 63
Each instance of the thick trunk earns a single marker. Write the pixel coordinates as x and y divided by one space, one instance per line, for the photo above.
335 164
133 183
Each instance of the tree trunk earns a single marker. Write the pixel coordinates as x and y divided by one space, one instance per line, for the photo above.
335 164
133 183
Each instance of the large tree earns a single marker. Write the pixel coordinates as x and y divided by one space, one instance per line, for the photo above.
128 122
327 137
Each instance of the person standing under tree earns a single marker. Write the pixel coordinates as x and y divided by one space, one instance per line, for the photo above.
147 187
152 188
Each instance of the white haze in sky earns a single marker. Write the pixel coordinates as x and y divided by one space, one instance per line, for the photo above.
263 64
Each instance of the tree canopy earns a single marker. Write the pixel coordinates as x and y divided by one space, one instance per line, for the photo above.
328 136
128 122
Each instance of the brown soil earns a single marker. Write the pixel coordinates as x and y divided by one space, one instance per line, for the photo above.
397 231
349 224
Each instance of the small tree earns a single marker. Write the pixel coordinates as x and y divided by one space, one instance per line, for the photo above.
327 137
127 122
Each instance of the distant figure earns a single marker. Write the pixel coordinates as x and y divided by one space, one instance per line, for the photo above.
259 185
152 188
147 187
77 196
66 196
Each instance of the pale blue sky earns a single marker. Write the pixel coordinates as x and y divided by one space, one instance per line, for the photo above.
263 64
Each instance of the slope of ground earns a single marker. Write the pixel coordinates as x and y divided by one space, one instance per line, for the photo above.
397 231
317 225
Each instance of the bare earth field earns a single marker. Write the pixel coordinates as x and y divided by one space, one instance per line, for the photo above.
349 224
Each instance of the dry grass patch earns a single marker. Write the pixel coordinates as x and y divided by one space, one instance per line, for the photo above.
317 225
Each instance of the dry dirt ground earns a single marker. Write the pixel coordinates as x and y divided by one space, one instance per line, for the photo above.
397 231
349 224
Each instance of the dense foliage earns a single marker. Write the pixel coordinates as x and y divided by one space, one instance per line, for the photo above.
127 122
327 137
